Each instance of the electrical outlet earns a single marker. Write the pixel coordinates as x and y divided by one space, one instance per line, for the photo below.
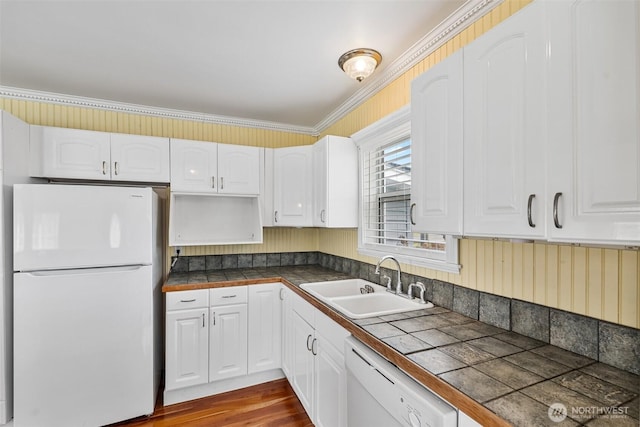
178 250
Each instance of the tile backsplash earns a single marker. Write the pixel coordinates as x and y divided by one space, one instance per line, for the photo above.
606 342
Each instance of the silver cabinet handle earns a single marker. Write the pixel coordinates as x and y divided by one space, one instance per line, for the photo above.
275 216
308 346
104 168
222 183
229 296
313 347
203 325
187 300
281 294
413 205
115 168
213 182
529 203
214 318
323 215
556 198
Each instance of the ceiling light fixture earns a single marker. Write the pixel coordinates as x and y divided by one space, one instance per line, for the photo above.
359 63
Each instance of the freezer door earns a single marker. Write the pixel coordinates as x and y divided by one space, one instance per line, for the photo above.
79 226
83 346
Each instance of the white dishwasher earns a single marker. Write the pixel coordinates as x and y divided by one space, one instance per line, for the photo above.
380 395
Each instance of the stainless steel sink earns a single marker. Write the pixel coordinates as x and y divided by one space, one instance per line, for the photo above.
347 297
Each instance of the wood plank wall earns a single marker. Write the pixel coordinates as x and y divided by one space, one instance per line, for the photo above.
597 282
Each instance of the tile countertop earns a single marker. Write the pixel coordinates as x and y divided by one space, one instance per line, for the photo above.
495 376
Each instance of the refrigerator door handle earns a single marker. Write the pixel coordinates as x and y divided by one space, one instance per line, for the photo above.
93 270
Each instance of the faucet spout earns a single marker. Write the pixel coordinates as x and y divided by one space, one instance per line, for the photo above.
398 289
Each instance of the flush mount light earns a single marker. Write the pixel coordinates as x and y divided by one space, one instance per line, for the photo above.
359 63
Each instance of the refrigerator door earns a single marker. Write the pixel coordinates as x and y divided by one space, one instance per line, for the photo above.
84 347
79 226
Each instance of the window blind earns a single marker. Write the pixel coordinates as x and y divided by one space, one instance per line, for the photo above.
386 199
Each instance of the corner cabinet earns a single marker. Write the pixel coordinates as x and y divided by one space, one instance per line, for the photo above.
335 183
81 154
265 327
293 186
436 148
505 128
594 126
212 168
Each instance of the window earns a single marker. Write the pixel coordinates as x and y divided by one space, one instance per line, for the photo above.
385 192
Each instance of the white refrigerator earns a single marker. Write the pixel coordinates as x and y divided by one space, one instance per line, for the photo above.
87 278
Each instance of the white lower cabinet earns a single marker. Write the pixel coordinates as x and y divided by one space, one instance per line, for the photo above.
228 338
264 327
318 375
187 339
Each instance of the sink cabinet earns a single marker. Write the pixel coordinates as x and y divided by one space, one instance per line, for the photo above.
318 374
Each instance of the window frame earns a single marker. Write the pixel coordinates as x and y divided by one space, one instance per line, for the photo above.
394 128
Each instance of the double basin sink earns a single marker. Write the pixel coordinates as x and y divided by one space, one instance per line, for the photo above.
359 299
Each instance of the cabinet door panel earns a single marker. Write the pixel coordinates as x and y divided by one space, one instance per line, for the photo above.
293 192
228 342
139 158
287 332
504 132
331 385
303 363
238 169
264 327
594 133
436 145
187 361
194 166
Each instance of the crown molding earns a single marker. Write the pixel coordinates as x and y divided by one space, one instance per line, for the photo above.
455 23
466 15
121 107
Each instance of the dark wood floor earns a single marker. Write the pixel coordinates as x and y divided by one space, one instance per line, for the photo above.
269 404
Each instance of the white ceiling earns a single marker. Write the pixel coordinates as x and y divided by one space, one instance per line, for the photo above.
261 60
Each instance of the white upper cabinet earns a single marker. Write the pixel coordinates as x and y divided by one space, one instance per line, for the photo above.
436 148
293 186
594 126
335 182
139 158
208 167
80 154
505 128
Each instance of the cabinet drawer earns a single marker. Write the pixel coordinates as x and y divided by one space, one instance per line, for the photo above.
187 299
230 295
